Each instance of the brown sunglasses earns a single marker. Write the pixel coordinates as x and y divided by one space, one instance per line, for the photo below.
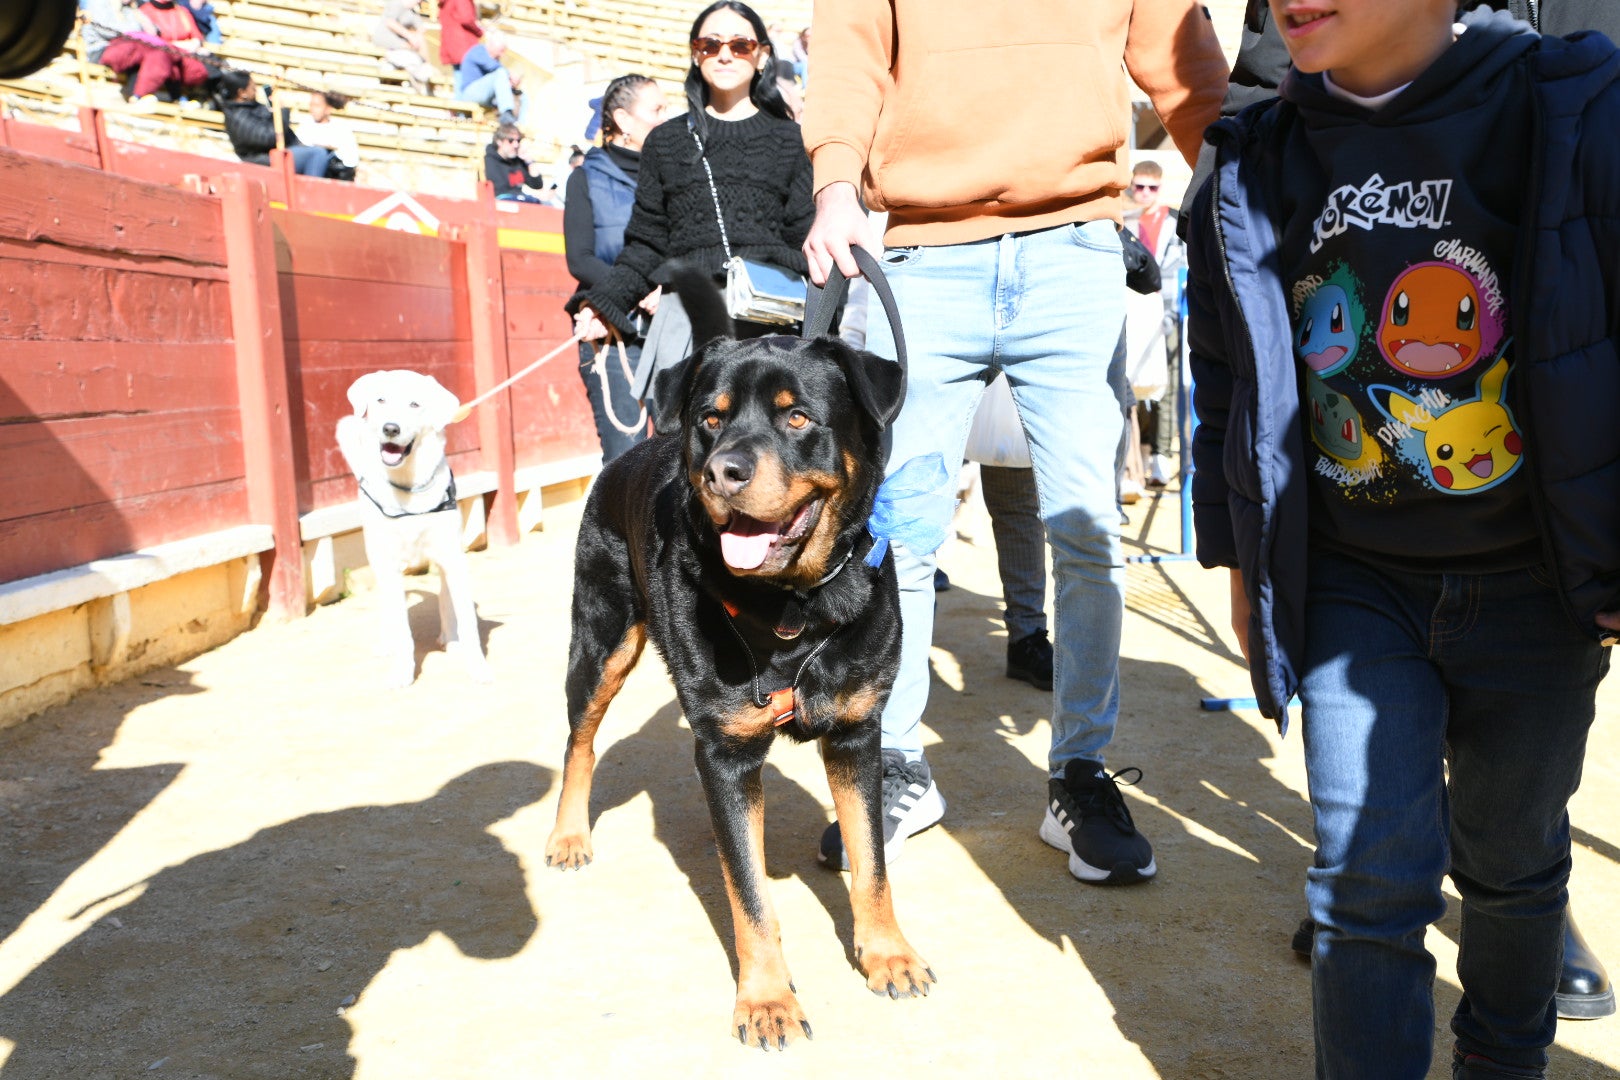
708 47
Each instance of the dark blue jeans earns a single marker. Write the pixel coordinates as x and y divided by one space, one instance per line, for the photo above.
623 403
1408 676
310 160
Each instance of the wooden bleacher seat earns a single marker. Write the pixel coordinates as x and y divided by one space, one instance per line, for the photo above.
427 143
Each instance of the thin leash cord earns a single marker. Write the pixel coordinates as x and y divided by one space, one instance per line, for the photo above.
599 365
466 410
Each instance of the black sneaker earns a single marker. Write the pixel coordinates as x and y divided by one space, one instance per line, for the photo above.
1304 940
911 803
1086 816
1030 658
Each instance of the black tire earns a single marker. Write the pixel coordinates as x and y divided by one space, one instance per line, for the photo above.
32 33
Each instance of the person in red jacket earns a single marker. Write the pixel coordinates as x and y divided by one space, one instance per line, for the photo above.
458 29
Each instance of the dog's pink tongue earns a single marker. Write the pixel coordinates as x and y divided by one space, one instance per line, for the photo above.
746 541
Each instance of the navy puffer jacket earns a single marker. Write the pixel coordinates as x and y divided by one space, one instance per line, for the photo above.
1250 499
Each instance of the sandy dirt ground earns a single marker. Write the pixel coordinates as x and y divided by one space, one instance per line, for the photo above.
256 864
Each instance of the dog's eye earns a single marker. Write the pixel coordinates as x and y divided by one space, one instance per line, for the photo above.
797 419
414 405
712 421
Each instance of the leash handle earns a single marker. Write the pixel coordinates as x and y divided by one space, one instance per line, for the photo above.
822 302
466 410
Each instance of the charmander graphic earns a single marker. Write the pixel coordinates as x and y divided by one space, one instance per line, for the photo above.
1327 331
1433 323
1461 446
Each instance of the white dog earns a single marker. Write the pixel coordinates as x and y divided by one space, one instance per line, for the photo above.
395 445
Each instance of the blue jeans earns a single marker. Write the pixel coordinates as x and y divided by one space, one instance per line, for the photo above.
310 160
1045 307
493 89
621 401
1405 675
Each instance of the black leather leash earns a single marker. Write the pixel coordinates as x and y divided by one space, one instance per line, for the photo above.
821 303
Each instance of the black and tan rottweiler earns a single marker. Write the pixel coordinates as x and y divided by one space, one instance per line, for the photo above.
737 544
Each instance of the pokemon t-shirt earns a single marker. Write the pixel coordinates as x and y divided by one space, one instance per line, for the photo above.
1398 255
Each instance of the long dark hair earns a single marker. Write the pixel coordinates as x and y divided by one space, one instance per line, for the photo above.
762 91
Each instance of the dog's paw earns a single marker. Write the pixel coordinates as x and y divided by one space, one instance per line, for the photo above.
894 968
769 1020
568 850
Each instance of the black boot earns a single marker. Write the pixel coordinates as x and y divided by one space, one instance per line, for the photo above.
1584 992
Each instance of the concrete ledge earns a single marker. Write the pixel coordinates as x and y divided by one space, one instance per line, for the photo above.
28 598
535 477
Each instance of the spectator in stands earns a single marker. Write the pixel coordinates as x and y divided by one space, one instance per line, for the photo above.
399 35
458 30
484 80
202 13
505 166
576 158
738 128
106 21
135 42
799 58
334 133
596 209
174 23
252 127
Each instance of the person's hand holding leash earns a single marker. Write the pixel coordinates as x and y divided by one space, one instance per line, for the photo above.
840 225
589 325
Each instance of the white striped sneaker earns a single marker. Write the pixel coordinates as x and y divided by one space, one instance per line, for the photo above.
911 803
1086 817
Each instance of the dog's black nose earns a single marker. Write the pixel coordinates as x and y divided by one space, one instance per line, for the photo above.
729 471
391 430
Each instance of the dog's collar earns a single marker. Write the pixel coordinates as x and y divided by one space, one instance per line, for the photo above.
446 503
444 464
804 593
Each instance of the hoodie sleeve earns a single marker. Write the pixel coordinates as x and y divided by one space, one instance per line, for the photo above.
1212 391
854 52
1173 54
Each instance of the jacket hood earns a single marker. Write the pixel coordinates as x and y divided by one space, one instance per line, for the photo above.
1464 75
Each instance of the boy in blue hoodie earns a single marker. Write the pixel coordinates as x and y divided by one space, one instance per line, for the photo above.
1406 338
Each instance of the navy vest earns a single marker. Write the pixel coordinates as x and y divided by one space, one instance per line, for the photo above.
613 195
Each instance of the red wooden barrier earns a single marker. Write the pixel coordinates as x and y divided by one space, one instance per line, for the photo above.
119 426
155 387
353 300
551 414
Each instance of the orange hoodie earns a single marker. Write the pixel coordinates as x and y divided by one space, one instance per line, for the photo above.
966 120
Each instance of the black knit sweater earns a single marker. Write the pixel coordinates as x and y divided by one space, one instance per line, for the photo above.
763 175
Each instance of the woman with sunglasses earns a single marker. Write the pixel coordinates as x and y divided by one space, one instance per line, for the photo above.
737 124
596 208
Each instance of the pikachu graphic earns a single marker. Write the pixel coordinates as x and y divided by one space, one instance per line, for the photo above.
1468 446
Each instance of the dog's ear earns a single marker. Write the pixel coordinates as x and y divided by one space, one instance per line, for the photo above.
440 403
673 388
879 385
670 388
363 391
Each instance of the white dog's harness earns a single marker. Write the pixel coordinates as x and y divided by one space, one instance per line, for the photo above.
446 503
